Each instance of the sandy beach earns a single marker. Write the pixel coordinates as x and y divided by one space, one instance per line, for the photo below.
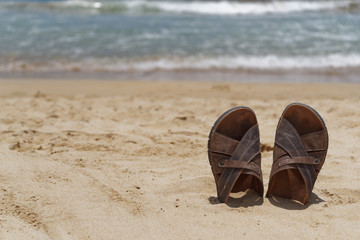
128 160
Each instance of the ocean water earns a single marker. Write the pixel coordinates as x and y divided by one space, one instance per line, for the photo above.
144 37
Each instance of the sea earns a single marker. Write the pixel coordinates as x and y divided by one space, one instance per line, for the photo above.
291 41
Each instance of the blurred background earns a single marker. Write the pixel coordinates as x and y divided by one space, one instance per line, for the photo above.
181 40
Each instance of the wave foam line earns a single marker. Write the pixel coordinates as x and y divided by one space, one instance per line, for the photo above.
234 8
334 61
194 7
251 62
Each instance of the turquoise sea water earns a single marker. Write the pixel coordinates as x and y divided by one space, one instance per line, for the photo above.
142 36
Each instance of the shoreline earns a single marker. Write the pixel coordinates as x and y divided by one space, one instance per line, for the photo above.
349 74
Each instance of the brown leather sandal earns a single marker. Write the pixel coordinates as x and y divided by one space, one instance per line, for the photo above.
234 153
301 144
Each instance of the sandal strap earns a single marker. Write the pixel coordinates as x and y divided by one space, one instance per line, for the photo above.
314 141
240 164
245 151
222 144
298 160
289 139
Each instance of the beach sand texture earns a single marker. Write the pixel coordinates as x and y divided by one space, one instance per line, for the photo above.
128 160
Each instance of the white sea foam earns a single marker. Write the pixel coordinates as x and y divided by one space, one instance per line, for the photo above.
250 62
194 7
81 3
233 8
334 61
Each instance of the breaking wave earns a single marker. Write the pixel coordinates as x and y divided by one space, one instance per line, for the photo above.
192 7
334 61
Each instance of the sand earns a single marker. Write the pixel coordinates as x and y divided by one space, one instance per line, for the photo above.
128 160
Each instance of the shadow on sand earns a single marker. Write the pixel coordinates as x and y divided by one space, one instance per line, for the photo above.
244 199
294 205
251 198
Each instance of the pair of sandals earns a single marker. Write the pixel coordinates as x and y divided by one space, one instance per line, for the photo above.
300 148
